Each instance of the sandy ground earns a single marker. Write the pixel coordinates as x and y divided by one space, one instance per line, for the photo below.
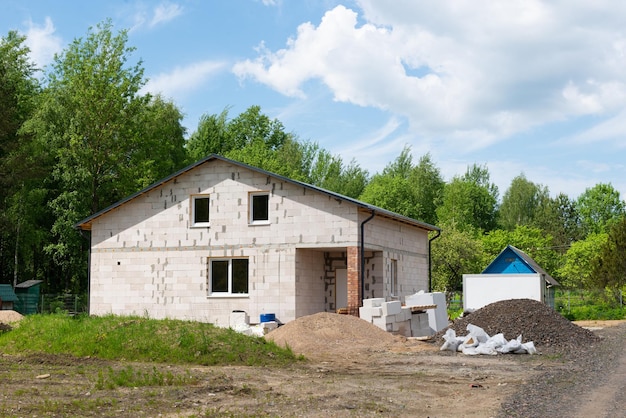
396 377
414 380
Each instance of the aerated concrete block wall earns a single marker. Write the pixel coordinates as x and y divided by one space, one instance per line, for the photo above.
148 259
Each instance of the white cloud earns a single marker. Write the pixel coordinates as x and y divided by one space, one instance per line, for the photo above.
470 74
165 12
43 42
162 13
182 80
610 130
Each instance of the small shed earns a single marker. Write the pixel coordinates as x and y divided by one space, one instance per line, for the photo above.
7 297
513 274
28 296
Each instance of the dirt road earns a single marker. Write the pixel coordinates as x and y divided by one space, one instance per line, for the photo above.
409 378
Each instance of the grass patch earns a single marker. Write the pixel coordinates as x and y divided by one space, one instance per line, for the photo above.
141 339
130 377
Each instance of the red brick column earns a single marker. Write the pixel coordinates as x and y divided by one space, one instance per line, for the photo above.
354 286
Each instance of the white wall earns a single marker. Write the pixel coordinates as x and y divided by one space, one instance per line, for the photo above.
147 258
482 289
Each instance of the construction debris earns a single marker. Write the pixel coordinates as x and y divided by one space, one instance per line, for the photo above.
535 320
479 342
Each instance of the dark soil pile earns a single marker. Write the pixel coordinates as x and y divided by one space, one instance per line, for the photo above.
533 320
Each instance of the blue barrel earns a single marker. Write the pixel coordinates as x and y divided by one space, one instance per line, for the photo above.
268 317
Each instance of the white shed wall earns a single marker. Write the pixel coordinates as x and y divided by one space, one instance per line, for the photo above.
482 289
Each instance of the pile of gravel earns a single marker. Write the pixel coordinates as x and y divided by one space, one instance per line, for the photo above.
534 320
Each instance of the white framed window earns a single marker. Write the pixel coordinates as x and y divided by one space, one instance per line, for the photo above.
199 207
393 277
228 276
259 208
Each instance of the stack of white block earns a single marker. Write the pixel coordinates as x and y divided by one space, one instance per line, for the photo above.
438 317
395 318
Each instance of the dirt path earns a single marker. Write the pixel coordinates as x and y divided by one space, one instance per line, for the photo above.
607 399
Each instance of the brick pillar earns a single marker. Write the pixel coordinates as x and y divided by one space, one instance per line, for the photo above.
354 277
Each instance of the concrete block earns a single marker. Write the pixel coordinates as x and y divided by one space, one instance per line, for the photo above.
377 311
421 332
382 322
373 302
404 328
239 318
420 326
438 318
392 308
365 313
406 313
268 326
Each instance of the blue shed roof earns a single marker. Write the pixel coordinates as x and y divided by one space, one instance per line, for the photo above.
7 294
515 261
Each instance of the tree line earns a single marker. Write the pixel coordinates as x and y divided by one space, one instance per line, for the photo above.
80 135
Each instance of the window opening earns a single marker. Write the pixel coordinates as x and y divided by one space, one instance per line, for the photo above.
259 208
229 276
200 210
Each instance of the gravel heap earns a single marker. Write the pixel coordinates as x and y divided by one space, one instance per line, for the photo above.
534 320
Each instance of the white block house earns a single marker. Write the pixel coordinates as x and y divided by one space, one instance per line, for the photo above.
220 236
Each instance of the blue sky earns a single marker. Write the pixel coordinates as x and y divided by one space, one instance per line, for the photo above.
523 86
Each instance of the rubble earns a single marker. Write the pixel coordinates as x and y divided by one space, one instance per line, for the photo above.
479 342
534 320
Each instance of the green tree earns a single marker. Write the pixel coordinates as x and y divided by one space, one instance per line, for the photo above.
19 90
559 218
392 193
211 137
163 151
405 188
91 121
609 268
521 203
428 188
329 172
470 201
454 253
577 271
255 139
599 207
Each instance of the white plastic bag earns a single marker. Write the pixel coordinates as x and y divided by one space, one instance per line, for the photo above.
530 347
478 333
511 346
451 341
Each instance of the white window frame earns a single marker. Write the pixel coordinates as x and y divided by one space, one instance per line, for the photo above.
229 292
192 210
251 199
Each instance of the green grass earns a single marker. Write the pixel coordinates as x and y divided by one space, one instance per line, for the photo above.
131 377
141 339
580 305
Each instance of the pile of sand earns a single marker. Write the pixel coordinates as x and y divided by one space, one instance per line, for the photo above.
327 334
8 317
